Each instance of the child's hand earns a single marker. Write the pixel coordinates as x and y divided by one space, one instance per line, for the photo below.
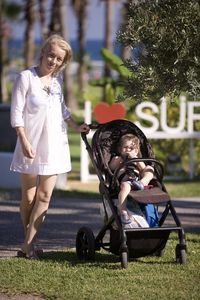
132 155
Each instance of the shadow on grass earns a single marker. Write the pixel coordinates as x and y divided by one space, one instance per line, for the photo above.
76 194
103 260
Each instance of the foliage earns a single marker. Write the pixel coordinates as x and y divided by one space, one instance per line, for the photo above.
11 10
146 278
164 37
115 62
112 85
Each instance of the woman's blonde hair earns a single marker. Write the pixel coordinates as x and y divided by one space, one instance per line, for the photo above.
56 39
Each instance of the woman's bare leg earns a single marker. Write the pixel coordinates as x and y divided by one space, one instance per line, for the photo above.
29 185
43 195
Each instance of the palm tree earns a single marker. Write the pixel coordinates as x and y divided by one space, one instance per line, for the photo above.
1 55
108 29
57 25
108 43
108 32
42 16
29 49
80 7
126 50
8 11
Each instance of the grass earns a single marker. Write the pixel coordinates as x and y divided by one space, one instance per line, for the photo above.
59 275
183 189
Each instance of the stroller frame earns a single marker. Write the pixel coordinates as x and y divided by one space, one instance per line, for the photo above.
131 242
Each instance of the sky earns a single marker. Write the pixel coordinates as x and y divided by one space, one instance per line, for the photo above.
95 23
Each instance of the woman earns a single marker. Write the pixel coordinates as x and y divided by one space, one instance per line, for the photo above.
39 115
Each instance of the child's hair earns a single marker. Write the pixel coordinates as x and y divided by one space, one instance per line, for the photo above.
130 137
56 39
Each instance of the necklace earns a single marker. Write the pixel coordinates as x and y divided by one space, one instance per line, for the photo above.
45 80
47 89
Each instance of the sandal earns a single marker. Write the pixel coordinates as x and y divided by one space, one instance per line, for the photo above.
21 254
32 255
38 252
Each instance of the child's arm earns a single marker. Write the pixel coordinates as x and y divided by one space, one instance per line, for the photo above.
115 162
147 174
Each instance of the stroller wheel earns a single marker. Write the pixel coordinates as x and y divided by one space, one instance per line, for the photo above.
181 256
85 244
159 253
124 260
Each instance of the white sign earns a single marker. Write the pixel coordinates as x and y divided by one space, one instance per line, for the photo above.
158 128
187 117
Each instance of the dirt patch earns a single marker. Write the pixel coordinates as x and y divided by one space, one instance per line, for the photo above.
19 297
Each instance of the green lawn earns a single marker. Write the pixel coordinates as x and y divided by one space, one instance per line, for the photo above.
183 189
61 276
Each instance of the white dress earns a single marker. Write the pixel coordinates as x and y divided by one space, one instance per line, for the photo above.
42 115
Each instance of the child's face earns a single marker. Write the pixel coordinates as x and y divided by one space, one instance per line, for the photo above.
128 147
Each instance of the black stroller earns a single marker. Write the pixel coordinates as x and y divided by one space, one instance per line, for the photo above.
132 242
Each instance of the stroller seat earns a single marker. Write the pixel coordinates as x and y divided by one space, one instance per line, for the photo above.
153 195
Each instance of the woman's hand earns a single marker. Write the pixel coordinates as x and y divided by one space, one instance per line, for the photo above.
27 149
84 128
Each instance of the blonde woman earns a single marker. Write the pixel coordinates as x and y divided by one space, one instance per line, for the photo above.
40 117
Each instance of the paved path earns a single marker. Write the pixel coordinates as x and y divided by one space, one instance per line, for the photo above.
66 216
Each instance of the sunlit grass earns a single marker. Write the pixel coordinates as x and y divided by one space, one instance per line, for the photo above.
183 189
59 275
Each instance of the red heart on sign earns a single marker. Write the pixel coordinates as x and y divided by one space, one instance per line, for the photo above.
103 112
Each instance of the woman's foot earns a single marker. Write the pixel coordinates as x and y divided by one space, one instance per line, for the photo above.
32 255
39 251
28 252
22 254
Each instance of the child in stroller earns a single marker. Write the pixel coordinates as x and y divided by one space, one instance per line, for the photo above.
135 179
128 242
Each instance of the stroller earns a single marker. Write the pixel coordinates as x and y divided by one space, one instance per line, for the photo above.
124 242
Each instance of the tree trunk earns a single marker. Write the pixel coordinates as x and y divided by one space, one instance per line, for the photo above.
108 32
42 15
70 100
29 33
126 50
1 56
57 25
108 40
82 17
